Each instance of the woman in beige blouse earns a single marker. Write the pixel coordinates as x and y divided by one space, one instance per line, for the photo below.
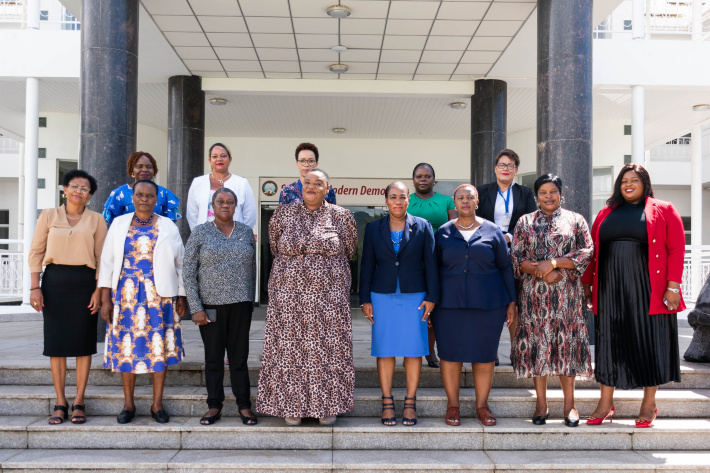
68 242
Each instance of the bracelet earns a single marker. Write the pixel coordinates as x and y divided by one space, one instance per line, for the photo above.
674 289
33 288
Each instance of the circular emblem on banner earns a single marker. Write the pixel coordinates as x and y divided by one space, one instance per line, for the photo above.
269 188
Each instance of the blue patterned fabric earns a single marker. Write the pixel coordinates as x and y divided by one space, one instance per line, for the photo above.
145 334
120 202
294 193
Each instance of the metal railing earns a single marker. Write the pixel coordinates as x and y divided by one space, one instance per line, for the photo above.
9 146
676 150
11 267
53 15
695 266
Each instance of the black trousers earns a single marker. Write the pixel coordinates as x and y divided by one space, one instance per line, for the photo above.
229 332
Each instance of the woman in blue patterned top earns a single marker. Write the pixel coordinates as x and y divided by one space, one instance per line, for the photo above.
140 165
306 159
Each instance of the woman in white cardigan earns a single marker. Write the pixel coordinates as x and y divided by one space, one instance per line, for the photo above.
199 197
141 263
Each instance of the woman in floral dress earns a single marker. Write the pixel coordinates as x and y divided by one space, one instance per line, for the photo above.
307 366
552 248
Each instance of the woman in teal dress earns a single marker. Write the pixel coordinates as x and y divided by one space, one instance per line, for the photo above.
143 256
436 209
140 165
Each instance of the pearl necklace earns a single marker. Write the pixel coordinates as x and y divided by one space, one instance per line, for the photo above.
221 181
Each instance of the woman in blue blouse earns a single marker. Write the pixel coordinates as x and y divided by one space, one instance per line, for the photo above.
399 286
140 165
306 159
477 295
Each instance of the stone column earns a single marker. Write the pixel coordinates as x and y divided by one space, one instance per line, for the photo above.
564 98
109 92
488 127
186 138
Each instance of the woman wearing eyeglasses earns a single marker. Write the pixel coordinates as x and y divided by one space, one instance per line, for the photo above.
306 159
68 241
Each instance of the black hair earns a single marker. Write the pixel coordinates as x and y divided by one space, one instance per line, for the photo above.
433 174
545 178
327 177
307 147
223 190
229 153
394 183
147 181
616 197
78 173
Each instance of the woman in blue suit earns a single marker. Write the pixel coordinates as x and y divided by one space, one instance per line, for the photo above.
399 287
477 295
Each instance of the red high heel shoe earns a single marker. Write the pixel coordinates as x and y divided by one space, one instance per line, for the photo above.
591 420
642 424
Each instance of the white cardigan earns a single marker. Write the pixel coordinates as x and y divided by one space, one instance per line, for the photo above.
167 256
199 194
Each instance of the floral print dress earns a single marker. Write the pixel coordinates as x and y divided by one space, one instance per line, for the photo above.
145 335
552 337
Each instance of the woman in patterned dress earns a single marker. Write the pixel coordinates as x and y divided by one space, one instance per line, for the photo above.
140 166
552 247
142 263
307 366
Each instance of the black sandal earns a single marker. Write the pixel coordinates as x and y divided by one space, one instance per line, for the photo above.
64 409
388 407
209 420
246 420
78 419
409 405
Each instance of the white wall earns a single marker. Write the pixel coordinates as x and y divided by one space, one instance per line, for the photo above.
9 200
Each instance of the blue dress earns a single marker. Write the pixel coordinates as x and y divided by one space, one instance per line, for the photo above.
145 335
398 329
120 202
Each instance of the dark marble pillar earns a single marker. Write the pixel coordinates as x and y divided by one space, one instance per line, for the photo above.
488 127
186 138
109 92
564 98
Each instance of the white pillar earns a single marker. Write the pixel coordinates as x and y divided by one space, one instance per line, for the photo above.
696 207
697 20
638 155
31 144
21 192
638 19
32 14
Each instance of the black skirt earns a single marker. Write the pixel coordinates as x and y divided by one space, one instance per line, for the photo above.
69 326
633 349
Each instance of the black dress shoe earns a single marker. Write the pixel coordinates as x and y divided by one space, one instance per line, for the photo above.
541 420
571 422
161 417
125 416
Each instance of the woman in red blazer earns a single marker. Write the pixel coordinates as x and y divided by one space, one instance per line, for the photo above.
635 293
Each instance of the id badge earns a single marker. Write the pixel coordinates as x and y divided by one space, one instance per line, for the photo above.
505 222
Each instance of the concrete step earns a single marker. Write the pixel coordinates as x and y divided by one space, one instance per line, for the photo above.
350 433
37 372
190 401
583 461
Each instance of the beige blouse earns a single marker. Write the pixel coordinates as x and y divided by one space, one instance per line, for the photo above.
56 242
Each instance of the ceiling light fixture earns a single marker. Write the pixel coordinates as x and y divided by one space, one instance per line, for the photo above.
338 11
338 49
218 101
703 107
458 105
339 131
338 68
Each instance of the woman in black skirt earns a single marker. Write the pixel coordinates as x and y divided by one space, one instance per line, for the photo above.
635 276
68 242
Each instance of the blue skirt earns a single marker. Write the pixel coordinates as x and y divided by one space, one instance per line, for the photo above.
398 329
468 335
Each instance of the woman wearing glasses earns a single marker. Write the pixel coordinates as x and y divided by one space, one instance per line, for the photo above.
306 159
68 241
140 165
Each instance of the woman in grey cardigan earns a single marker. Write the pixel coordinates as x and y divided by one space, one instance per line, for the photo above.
219 273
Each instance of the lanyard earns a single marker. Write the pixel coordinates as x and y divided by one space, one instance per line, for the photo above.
506 199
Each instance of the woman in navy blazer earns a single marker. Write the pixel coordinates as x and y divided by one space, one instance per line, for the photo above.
477 295
399 287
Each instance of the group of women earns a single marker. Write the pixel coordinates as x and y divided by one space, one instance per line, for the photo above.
434 270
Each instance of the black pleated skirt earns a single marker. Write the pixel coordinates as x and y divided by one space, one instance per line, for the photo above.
633 349
69 326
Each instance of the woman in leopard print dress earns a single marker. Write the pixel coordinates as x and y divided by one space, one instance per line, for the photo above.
307 366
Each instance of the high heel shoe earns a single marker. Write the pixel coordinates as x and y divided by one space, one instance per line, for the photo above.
409 405
388 407
541 420
642 424
591 420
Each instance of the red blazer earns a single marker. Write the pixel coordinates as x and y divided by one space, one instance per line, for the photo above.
666 250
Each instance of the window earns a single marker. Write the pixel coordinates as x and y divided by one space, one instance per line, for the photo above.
63 167
686 227
602 184
44 15
41 153
527 180
43 122
627 158
627 130
41 183
4 227
628 25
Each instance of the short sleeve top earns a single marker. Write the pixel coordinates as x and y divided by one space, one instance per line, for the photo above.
435 209
120 202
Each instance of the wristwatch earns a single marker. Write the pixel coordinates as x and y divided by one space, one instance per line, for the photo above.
674 289
554 263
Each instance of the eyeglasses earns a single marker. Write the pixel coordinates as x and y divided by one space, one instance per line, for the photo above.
220 203
307 162
503 166
83 190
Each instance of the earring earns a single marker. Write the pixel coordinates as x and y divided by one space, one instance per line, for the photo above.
562 200
64 196
133 175
87 203
476 206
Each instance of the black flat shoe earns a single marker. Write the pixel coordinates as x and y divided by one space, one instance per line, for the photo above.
126 416
541 420
571 421
161 417
208 420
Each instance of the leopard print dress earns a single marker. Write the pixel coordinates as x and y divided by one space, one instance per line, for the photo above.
307 366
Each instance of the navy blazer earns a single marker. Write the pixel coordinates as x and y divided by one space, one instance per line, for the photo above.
474 274
523 202
414 265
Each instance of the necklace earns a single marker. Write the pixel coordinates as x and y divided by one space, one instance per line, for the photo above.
230 233
67 214
466 228
147 222
221 181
